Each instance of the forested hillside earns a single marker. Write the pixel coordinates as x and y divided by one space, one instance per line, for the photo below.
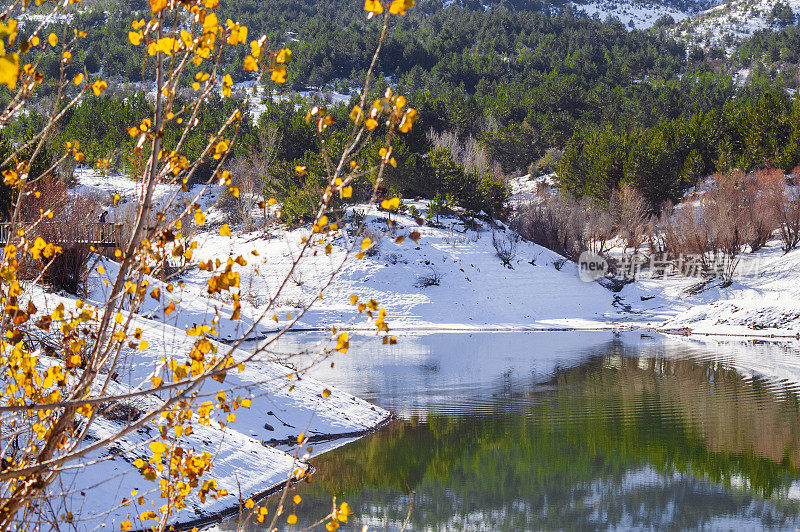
502 89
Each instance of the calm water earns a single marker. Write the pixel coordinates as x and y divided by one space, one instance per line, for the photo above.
515 431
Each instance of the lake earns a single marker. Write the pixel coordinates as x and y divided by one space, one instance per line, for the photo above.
566 430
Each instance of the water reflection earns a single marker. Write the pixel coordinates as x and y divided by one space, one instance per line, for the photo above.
570 431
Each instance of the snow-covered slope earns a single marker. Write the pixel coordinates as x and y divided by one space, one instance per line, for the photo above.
763 300
250 455
451 278
633 14
730 22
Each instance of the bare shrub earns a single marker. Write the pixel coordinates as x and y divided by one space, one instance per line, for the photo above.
598 229
505 246
758 210
75 230
432 278
249 175
566 225
784 202
469 153
551 223
631 214
707 236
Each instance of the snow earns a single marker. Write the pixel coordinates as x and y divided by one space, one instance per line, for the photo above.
249 454
730 22
451 279
474 289
633 14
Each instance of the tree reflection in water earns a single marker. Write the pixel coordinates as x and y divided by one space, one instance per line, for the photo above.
625 438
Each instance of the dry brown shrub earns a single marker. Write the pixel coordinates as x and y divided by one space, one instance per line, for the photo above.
631 213
73 226
783 199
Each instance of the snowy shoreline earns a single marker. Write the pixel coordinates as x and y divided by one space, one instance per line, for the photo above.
450 279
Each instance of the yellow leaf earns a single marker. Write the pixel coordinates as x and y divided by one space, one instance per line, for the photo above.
250 64
52 39
199 217
9 70
347 192
284 56
225 230
390 204
99 87
343 342
166 45
125 525
399 7
371 124
366 243
78 79
249 503
279 74
373 6
292 519
143 345
231 417
157 5
157 381
135 37
326 393
158 447
210 23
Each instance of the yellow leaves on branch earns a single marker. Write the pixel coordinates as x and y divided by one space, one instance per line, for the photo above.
238 33
165 45
221 149
283 56
409 117
210 23
397 7
9 62
42 249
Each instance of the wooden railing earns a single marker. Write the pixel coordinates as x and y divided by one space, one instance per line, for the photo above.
97 234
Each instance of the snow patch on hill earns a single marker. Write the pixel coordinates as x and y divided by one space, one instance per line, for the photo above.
731 22
633 14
